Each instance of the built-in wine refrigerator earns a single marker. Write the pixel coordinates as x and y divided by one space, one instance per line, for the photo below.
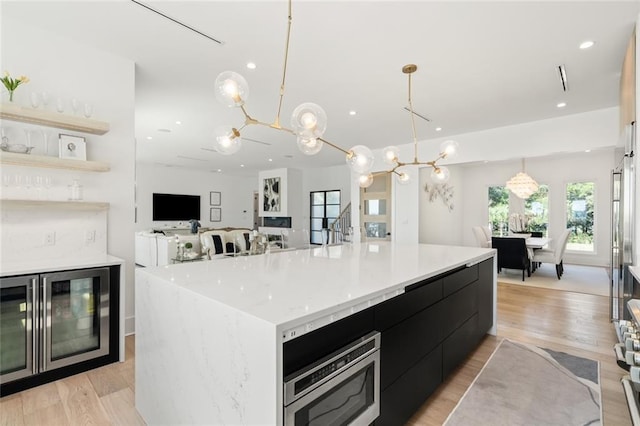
52 321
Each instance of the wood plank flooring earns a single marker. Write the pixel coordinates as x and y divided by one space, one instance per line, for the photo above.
570 322
574 323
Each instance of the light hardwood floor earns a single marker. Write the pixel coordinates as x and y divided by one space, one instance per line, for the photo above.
570 322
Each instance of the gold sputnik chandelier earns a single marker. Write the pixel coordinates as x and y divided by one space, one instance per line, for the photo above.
308 124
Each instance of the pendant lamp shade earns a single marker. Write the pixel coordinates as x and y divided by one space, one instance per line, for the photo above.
522 185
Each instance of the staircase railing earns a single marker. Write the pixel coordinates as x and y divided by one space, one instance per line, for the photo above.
340 229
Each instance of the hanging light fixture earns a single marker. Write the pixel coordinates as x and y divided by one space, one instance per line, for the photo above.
439 174
522 185
308 121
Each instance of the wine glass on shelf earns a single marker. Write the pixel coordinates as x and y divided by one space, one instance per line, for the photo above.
35 99
75 104
38 183
88 110
48 183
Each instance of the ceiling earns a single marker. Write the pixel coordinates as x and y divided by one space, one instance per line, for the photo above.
480 65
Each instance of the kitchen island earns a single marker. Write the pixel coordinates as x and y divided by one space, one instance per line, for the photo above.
212 337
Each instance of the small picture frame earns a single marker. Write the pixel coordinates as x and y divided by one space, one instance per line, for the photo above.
215 198
72 147
215 214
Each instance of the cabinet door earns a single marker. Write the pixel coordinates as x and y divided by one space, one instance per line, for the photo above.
401 307
459 279
485 297
308 348
459 307
457 346
406 343
400 400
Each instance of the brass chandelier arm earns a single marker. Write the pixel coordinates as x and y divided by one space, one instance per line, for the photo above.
335 146
276 123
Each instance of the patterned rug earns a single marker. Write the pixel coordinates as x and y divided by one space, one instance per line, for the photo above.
576 278
525 385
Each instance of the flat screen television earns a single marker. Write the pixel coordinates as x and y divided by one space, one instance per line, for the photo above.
176 207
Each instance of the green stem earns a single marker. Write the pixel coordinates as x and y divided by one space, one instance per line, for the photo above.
10 95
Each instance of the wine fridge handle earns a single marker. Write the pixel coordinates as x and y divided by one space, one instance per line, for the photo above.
45 318
35 324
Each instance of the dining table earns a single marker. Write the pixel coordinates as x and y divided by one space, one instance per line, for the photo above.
537 242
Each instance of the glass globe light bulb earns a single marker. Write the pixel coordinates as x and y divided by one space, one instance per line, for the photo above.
227 140
309 146
360 159
309 120
440 174
232 89
391 154
449 148
403 178
365 181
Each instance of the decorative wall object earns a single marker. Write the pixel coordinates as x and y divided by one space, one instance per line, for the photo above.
215 214
271 191
72 147
215 198
443 191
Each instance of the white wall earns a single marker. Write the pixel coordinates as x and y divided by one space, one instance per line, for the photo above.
236 195
556 172
67 69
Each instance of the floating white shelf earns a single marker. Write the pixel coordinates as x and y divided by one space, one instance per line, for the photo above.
53 119
67 205
52 162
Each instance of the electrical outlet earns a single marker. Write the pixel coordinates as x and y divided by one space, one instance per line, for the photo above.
50 239
89 237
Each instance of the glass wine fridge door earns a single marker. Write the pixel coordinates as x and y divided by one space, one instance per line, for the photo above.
76 314
17 297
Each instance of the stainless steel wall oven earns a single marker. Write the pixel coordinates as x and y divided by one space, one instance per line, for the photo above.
339 389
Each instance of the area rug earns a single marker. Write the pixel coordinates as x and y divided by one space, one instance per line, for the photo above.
576 278
525 385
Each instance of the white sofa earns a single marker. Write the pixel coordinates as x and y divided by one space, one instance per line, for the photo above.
223 242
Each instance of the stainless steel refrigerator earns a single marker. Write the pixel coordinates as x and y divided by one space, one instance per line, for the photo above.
622 229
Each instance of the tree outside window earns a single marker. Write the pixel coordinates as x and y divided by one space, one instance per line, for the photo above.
536 208
580 215
499 209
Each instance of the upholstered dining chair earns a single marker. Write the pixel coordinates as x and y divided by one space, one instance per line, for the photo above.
554 255
512 254
480 236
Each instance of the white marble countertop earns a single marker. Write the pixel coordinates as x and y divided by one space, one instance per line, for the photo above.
34 266
290 289
635 271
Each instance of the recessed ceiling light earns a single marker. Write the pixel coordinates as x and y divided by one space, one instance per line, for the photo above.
149 137
438 129
241 165
178 122
561 105
219 170
251 65
587 150
270 159
352 112
586 44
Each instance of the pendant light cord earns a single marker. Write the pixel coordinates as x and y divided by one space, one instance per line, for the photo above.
276 123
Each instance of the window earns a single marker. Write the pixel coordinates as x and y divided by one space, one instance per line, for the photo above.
499 209
324 205
536 208
580 216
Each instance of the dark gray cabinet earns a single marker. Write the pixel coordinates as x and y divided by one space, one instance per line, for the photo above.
430 336
425 333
